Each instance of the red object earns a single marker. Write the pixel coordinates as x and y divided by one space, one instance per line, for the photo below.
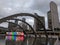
20 38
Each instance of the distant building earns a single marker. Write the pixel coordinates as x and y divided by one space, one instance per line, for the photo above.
53 19
16 21
38 26
29 28
49 20
14 27
11 27
23 25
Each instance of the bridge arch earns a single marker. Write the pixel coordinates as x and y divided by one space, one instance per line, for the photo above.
24 29
25 14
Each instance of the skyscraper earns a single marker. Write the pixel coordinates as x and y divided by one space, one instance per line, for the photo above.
37 25
53 19
49 20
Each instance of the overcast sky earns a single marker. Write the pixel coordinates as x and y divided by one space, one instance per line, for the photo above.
9 7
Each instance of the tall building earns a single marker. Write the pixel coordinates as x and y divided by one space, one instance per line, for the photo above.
23 25
14 27
11 27
53 19
49 20
38 26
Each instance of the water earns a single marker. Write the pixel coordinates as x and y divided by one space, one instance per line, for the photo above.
29 41
2 42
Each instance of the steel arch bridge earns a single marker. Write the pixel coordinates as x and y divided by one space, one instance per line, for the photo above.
26 14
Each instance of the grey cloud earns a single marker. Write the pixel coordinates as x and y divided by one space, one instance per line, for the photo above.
9 7
41 5
18 5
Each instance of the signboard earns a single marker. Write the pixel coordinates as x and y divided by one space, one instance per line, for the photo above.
17 36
